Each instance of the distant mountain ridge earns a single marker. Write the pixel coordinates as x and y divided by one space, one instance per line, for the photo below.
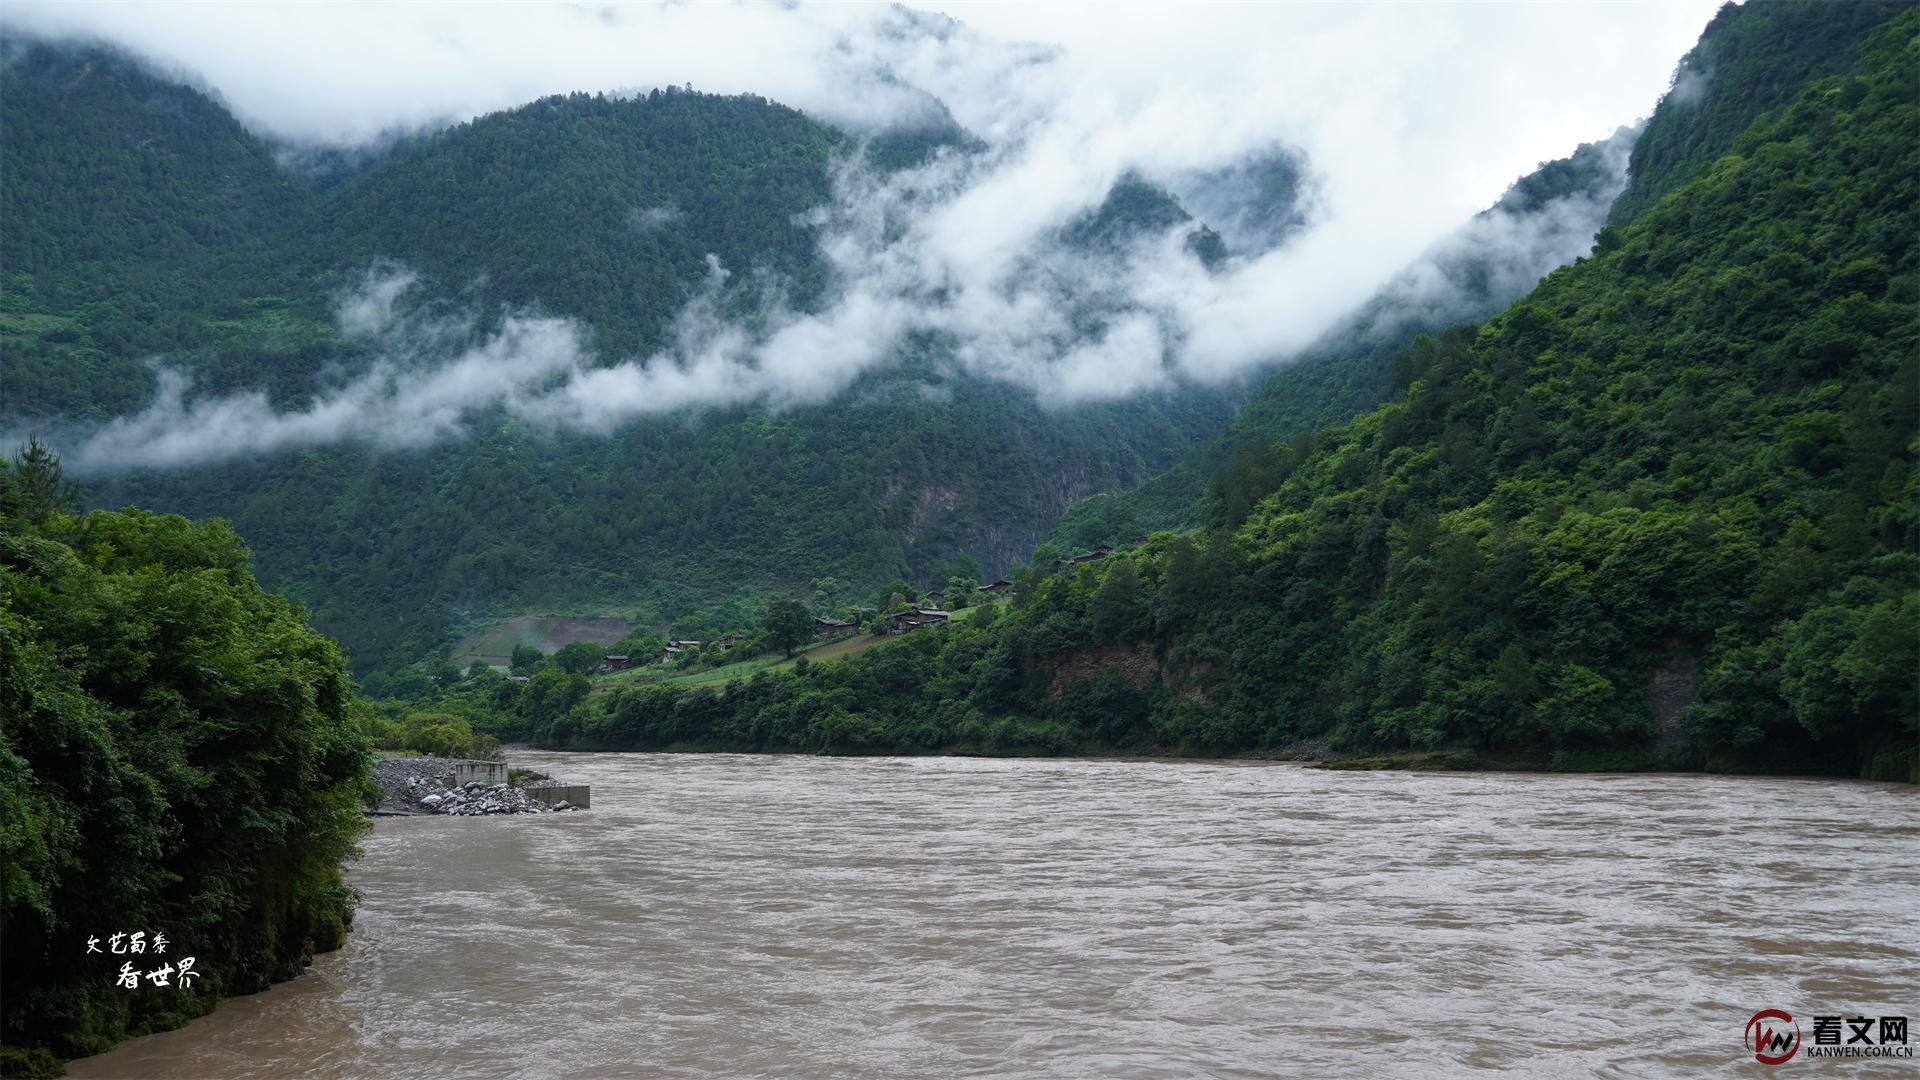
189 244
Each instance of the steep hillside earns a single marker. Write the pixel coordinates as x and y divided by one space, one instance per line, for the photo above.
155 252
669 518
1659 512
604 209
1752 60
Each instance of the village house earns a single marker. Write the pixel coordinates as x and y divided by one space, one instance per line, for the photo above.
726 642
998 587
616 662
936 599
676 649
826 628
1096 554
906 622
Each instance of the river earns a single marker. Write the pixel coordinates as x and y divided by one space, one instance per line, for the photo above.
739 916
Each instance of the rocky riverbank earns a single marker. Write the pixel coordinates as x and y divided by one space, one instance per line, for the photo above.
424 785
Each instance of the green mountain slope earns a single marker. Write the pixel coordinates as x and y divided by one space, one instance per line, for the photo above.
604 209
137 215
1660 511
598 209
1752 60
668 518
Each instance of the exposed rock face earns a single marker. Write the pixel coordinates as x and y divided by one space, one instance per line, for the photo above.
1138 664
1134 663
1671 689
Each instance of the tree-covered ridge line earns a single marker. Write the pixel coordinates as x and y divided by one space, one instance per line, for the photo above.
192 242
1661 512
1751 61
179 753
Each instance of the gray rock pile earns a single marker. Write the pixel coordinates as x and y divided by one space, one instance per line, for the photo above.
424 785
435 795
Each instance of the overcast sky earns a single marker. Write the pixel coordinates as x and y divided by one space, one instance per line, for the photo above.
1412 118
1470 94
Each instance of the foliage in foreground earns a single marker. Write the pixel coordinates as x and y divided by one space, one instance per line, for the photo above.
179 754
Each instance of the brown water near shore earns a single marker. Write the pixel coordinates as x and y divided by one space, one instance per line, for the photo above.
730 916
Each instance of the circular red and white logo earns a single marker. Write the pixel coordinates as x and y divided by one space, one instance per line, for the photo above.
1772 1045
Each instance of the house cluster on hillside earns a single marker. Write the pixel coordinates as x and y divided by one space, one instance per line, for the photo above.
1095 555
905 622
827 629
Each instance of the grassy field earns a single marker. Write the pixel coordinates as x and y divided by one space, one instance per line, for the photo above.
823 652
494 644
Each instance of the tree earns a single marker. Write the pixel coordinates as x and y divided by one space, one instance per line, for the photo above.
641 647
960 592
549 695
1119 609
526 660
177 749
579 658
964 567
788 624
895 597
41 483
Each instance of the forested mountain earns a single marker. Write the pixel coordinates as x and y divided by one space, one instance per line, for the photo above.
157 251
601 208
189 244
1752 60
1661 511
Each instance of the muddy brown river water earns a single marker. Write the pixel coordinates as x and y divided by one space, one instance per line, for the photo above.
735 916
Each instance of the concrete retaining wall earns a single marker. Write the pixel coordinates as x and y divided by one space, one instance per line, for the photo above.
576 794
487 772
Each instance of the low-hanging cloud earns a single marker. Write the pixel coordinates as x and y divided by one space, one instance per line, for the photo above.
1396 122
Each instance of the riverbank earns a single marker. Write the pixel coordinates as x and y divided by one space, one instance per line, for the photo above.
1314 755
425 786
